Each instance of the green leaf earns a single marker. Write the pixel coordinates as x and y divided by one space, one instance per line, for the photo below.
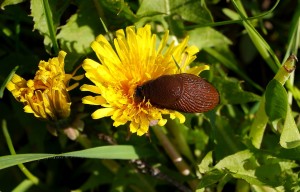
231 14
150 8
224 136
295 91
276 101
11 160
261 45
226 58
290 136
84 24
232 93
292 153
46 19
240 165
105 152
268 171
207 37
8 78
210 178
10 2
206 163
258 126
189 10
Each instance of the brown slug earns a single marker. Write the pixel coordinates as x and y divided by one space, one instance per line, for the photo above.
181 92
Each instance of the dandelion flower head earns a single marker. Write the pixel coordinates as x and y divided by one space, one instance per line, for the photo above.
132 60
46 96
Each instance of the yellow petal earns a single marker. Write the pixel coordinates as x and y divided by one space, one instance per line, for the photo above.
198 69
119 122
144 127
77 77
89 64
16 82
10 86
180 117
61 58
103 112
28 109
91 88
97 100
133 127
162 122
16 79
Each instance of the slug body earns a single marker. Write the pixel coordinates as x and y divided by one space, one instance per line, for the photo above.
181 92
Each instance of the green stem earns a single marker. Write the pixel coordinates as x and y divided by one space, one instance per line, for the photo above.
286 69
233 66
52 31
23 186
294 40
262 46
236 21
171 151
26 172
179 132
8 78
258 126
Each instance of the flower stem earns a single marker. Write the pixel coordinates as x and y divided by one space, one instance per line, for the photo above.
171 151
286 69
26 172
178 134
52 31
259 124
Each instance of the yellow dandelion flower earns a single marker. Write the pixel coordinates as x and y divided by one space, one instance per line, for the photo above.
46 96
132 61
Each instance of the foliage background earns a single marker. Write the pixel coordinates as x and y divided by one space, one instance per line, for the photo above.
216 145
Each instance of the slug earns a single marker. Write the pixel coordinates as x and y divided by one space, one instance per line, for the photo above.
181 92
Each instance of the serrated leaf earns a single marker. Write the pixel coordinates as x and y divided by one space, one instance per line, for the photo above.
244 165
210 178
207 37
38 12
70 32
206 163
105 152
232 93
39 19
290 136
189 10
150 8
240 165
76 36
116 13
10 2
276 102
